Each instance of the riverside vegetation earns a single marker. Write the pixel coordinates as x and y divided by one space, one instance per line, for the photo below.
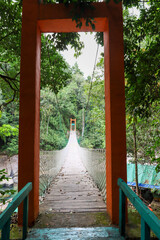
65 93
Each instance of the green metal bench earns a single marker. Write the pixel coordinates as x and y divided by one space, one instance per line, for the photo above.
5 217
148 219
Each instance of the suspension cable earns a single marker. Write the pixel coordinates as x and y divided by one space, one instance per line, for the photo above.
91 81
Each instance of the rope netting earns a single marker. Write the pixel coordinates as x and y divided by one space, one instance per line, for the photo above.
51 163
95 163
93 160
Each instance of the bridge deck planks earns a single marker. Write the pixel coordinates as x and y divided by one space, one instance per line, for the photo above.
73 189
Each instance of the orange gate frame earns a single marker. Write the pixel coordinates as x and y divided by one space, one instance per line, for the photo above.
72 121
36 19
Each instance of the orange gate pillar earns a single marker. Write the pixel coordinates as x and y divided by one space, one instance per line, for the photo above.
28 167
115 109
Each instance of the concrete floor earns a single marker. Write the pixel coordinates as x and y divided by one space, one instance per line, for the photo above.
98 233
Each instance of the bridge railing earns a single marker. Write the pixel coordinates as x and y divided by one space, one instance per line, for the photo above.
50 164
95 163
148 219
5 217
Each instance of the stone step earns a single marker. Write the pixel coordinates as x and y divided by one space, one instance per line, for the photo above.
96 233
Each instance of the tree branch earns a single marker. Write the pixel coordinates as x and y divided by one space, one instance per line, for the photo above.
12 84
14 31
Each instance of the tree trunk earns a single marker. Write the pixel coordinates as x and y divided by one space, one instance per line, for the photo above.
135 153
47 125
60 111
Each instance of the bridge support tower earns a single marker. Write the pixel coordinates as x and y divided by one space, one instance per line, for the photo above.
72 124
39 18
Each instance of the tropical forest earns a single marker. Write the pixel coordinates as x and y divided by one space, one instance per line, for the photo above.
66 93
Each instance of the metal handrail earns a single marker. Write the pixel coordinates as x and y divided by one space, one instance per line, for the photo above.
149 221
5 217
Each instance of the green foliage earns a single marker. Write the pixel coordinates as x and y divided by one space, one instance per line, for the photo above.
72 98
54 140
55 71
9 136
79 11
141 66
94 133
10 31
7 131
86 143
52 62
57 109
61 41
152 149
147 136
12 147
142 77
52 136
4 193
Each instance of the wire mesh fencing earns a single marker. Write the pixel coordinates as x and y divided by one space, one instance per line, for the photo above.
51 163
93 160
95 163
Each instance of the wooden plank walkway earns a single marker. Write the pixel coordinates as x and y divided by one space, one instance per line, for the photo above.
73 189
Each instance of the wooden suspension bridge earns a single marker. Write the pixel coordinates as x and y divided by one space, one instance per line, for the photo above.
73 190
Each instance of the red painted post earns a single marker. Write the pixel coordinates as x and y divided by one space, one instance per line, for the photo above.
115 110
28 167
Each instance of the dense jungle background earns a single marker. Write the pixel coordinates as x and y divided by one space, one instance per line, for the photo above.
65 93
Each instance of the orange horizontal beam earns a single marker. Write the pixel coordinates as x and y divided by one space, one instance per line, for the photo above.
58 17
67 25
